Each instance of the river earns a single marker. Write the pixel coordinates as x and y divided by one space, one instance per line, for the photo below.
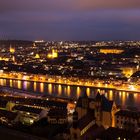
124 99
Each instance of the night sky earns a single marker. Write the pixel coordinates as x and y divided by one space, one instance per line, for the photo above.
70 19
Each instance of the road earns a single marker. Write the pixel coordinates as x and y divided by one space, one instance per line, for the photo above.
72 81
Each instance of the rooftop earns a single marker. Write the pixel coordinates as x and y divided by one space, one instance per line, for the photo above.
128 113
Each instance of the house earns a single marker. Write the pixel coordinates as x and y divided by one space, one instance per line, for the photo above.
127 119
3 103
57 116
113 133
27 115
7 117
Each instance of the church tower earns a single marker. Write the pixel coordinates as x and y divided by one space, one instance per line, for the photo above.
85 101
98 112
82 105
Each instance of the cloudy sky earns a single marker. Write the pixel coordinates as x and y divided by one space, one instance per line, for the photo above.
70 19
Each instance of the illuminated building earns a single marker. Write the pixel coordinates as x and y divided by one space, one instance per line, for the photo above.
4 58
27 115
9 106
109 51
39 43
53 54
88 112
104 109
12 50
37 56
128 71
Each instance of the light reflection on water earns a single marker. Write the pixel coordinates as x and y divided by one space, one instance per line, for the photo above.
68 91
111 95
123 98
34 86
59 89
88 91
50 88
1 82
120 97
25 85
11 83
4 81
42 87
78 91
19 84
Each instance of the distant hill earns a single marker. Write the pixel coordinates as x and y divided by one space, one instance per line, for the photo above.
14 43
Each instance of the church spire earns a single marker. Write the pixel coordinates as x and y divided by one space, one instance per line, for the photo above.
85 95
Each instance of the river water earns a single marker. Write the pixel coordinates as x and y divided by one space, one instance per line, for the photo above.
124 99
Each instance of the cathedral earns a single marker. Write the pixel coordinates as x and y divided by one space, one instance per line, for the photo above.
92 113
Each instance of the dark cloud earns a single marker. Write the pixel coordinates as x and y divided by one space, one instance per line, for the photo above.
65 5
70 19
33 5
108 4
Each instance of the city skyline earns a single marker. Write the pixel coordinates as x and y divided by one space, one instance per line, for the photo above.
70 69
70 20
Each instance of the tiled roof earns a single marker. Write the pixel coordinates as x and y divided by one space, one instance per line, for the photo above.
98 97
28 109
113 133
57 112
79 102
7 114
36 101
106 104
94 131
85 120
3 103
128 113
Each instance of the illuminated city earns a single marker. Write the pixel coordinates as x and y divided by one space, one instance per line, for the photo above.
70 70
